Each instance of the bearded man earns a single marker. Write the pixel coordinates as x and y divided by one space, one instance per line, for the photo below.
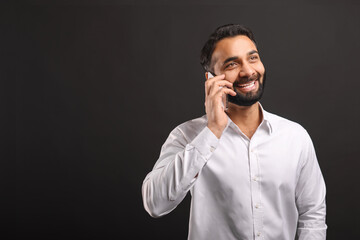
251 173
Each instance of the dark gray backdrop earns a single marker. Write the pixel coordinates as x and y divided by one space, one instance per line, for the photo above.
100 84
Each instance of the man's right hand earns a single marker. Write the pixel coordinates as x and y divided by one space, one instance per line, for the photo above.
215 88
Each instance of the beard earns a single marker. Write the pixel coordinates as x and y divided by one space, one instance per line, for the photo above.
248 98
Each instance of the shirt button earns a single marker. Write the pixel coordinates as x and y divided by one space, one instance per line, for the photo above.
212 149
255 179
258 234
257 206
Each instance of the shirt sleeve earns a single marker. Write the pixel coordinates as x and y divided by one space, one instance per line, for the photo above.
310 197
176 169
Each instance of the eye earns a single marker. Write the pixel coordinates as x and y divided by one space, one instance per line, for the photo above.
231 65
253 58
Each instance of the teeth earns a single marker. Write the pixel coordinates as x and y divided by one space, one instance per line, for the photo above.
247 85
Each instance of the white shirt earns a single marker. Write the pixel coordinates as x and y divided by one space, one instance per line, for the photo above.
267 187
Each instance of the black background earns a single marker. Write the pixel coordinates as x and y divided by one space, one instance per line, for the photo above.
100 85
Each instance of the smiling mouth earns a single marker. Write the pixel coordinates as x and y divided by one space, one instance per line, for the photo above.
246 85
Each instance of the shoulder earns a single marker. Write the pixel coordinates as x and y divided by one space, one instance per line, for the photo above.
285 126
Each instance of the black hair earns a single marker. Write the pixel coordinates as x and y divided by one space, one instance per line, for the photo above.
225 31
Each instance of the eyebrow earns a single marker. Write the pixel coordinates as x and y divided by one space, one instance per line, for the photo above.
229 59
235 57
252 52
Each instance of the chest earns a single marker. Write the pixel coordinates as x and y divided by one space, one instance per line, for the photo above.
271 162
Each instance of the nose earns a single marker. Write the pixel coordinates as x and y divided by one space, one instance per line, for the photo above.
246 70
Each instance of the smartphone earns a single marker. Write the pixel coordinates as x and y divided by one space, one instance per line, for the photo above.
224 102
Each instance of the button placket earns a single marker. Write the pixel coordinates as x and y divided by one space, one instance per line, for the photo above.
255 191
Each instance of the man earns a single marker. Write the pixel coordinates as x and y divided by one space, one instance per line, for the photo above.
251 174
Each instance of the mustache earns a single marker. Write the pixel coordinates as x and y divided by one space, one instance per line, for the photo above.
244 80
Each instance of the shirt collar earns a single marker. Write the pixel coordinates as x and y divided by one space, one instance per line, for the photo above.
267 122
267 119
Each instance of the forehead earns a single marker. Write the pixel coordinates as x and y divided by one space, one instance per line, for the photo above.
233 46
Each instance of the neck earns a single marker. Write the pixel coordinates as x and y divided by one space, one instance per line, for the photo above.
247 118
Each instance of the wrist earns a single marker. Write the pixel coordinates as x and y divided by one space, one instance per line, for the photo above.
217 131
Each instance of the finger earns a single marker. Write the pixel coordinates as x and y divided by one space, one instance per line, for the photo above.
223 91
216 88
222 83
213 89
210 81
217 98
229 91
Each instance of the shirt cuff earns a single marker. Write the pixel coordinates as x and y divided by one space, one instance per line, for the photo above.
206 143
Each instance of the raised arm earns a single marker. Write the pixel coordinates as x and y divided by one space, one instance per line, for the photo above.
185 153
181 160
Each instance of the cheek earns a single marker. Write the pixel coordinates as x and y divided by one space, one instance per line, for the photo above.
231 76
261 68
